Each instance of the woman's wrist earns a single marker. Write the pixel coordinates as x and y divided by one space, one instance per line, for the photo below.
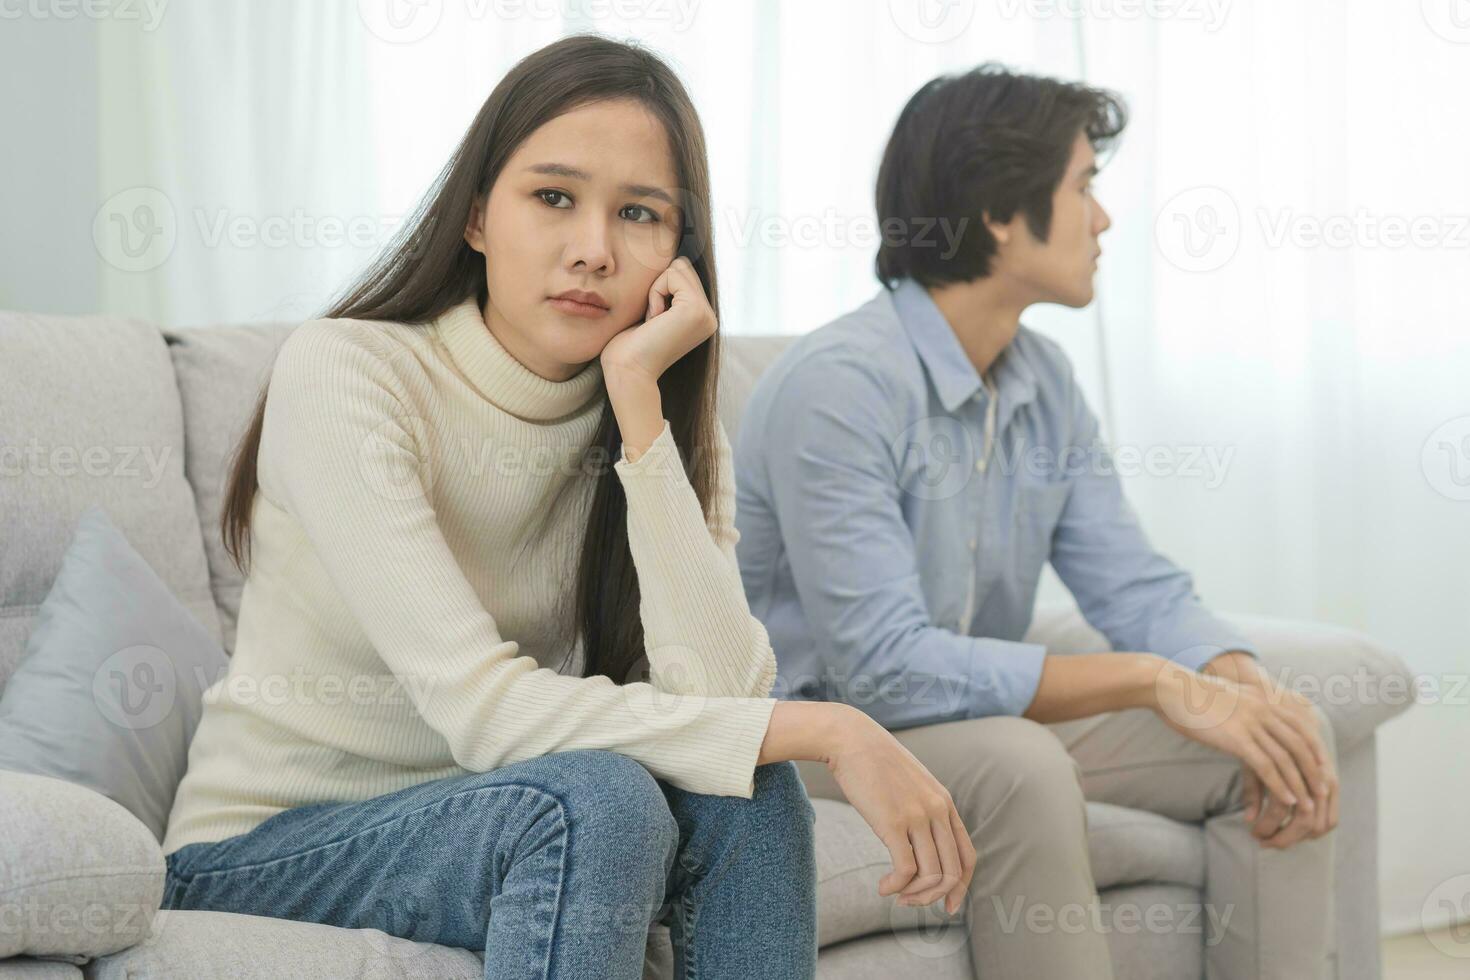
638 406
809 730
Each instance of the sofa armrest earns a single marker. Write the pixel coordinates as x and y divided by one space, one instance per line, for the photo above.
1357 682
80 876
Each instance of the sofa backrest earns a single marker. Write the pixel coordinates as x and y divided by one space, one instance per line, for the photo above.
182 397
90 413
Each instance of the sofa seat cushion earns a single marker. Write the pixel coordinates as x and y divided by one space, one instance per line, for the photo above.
188 944
29 968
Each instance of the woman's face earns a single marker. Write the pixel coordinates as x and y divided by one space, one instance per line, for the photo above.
586 203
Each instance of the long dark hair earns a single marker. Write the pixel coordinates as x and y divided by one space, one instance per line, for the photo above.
429 268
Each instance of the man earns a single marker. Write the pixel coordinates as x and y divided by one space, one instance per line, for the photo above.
905 471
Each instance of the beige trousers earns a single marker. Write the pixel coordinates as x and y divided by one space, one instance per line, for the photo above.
1021 786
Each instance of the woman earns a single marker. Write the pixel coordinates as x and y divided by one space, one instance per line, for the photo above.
493 651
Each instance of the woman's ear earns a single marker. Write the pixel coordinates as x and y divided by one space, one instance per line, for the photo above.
474 230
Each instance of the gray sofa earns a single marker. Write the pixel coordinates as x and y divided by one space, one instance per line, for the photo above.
181 396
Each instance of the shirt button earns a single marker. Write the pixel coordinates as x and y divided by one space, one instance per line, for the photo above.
972 544
980 466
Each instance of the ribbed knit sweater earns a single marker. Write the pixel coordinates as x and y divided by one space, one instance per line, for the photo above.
407 615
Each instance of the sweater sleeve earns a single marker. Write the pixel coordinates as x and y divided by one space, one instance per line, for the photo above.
340 437
699 633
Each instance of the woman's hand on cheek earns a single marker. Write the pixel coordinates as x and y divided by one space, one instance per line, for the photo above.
672 328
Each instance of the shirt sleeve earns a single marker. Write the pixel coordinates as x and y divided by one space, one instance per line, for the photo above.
1132 594
699 634
836 491
341 435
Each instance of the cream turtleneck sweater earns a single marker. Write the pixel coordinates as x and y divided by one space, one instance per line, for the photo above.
406 613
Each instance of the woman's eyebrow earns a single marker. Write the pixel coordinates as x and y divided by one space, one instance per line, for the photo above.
574 173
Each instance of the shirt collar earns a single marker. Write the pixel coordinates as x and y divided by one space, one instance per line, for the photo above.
948 366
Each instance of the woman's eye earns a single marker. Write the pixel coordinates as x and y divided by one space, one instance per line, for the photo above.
639 213
547 195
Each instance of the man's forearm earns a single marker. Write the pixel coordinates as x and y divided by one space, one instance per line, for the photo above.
1085 684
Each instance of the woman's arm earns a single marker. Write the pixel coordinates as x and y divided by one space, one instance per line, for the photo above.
699 635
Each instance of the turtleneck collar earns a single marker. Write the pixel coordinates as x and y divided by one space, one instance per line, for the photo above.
505 381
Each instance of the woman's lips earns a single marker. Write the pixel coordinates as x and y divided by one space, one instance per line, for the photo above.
572 307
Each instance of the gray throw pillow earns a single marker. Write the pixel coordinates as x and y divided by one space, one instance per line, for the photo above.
109 691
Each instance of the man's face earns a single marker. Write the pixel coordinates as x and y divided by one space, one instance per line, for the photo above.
1061 269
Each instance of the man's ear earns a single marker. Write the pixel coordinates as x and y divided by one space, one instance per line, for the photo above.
1001 232
474 229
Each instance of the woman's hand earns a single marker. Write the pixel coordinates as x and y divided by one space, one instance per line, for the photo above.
1275 733
635 358
672 327
910 811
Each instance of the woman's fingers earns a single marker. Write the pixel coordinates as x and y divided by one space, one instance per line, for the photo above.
930 871
656 304
955 900
901 853
949 862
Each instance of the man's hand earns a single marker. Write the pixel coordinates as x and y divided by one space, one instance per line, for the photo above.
1275 823
1239 666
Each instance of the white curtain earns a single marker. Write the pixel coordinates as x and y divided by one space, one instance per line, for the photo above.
1325 378
1286 284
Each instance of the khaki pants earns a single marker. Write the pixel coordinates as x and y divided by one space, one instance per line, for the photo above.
1020 788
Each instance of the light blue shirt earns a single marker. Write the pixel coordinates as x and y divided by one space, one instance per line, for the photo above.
893 549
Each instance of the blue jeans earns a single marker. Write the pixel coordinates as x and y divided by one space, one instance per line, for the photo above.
555 867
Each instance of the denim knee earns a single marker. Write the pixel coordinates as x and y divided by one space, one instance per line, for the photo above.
779 812
779 790
617 805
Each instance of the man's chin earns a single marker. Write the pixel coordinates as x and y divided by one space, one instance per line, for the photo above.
1076 300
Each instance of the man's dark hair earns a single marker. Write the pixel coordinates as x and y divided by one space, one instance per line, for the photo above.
985 141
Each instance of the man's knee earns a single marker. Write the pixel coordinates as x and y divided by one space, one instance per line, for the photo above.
1014 763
